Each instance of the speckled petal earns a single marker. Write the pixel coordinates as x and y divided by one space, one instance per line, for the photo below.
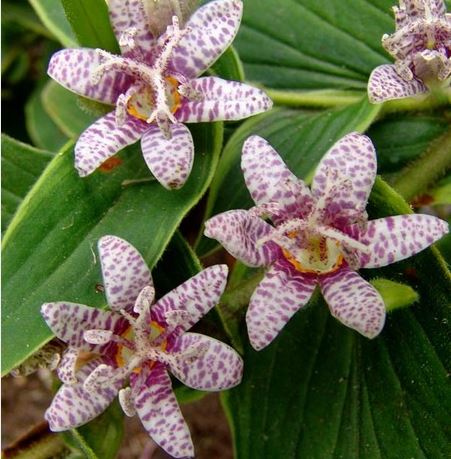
72 68
395 238
104 139
125 273
212 29
222 100
352 158
68 321
169 160
385 84
354 301
280 294
239 232
196 296
269 180
219 367
67 367
73 406
159 411
129 20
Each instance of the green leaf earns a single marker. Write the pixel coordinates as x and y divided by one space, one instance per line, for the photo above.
299 136
320 390
51 13
91 24
59 223
64 109
395 294
40 127
21 167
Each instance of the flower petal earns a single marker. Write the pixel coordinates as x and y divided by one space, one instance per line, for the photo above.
104 139
72 68
125 273
280 294
352 160
239 232
211 29
385 84
67 367
73 406
217 367
169 160
159 411
354 301
68 321
395 238
129 21
196 296
270 181
221 100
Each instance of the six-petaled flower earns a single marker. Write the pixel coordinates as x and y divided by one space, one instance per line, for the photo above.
421 46
138 342
155 87
318 236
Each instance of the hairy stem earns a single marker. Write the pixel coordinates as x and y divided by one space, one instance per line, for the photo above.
418 176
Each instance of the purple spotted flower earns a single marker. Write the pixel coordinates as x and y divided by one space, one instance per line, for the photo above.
139 342
421 46
155 87
317 237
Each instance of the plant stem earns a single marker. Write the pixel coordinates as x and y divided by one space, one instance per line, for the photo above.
418 176
319 98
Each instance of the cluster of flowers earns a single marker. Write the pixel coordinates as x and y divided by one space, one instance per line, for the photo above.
305 237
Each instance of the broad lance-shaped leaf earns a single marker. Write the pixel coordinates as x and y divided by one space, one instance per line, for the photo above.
297 135
320 390
21 167
63 218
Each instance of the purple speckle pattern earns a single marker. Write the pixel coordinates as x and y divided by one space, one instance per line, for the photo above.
69 321
212 29
269 180
219 366
158 409
385 84
395 238
104 139
169 160
354 158
354 302
72 68
125 273
238 232
67 366
277 298
73 406
128 16
196 296
222 100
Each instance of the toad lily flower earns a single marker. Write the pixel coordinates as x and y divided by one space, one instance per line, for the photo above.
421 46
138 342
317 237
155 87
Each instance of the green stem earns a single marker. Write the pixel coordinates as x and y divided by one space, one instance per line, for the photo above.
418 176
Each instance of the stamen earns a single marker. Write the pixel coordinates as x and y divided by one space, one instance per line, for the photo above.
193 353
99 375
144 300
267 209
96 336
66 370
122 105
126 401
343 239
127 38
177 317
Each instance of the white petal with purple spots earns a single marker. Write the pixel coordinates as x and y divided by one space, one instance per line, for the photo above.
221 100
125 273
159 411
395 238
73 406
280 294
212 29
217 367
72 68
104 139
385 84
169 160
239 233
354 301
196 296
